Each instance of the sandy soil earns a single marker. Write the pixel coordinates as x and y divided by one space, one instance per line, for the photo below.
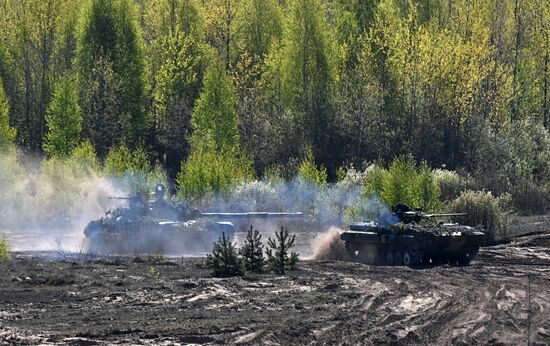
503 297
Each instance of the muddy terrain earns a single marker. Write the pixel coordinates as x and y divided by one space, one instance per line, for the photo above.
503 297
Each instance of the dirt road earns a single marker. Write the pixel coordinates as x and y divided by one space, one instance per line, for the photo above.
503 297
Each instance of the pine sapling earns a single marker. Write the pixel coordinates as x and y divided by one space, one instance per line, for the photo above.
224 260
252 251
278 256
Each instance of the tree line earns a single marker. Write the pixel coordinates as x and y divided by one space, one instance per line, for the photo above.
214 90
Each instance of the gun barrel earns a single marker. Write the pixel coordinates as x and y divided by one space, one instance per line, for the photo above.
120 197
445 215
256 215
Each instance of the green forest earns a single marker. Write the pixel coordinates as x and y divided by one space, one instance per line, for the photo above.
416 100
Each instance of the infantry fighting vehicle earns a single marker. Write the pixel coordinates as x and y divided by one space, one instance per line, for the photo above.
410 237
163 226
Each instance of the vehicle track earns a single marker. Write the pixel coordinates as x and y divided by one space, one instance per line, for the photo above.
503 297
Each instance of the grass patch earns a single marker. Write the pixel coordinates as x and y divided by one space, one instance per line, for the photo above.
4 250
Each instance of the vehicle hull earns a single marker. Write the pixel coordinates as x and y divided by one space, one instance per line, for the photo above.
409 246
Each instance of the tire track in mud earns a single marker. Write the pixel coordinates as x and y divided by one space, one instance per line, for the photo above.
445 305
330 302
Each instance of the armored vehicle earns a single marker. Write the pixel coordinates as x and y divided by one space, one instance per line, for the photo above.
163 226
411 237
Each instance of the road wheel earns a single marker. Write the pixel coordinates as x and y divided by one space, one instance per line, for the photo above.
370 258
397 259
407 259
352 252
389 258
465 259
451 261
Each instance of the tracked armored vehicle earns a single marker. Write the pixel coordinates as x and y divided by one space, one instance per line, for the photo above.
407 237
163 226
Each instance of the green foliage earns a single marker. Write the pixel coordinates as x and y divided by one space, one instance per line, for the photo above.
464 87
224 260
427 189
309 172
274 175
374 180
399 183
121 160
483 210
529 198
177 57
215 118
153 272
64 120
178 81
205 173
258 23
404 182
109 30
102 125
252 251
215 162
279 259
451 184
133 169
299 80
7 133
85 156
4 250
515 160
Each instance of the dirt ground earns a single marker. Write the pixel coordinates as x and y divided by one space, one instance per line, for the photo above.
503 297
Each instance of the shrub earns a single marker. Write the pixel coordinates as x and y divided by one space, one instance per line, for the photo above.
254 195
84 158
131 169
252 251
350 177
206 172
427 189
451 184
4 250
374 179
63 119
483 210
528 198
309 171
404 182
121 160
273 175
503 160
224 261
278 256
398 183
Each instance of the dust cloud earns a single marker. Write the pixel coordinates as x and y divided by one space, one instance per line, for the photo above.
45 204
329 246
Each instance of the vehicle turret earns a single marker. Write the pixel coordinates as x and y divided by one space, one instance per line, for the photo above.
163 225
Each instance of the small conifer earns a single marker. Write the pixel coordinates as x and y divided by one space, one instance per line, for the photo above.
224 260
252 251
278 257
